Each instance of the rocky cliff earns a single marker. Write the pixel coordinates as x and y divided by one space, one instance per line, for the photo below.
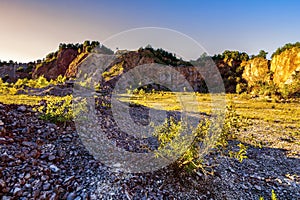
65 61
284 65
280 70
131 59
256 70
236 69
56 66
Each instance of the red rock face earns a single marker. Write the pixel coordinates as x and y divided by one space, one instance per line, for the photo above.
133 59
130 60
58 66
68 60
73 67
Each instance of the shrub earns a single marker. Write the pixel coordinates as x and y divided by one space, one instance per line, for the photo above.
57 109
292 89
20 83
241 154
172 142
240 88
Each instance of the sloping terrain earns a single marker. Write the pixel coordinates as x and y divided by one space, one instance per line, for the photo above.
43 160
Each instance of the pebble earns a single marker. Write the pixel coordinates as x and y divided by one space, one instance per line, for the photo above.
28 144
21 108
2 130
44 178
54 168
71 196
245 187
67 139
16 190
257 187
51 158
46 186
2 183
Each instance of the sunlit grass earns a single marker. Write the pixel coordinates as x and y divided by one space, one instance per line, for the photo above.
170 101
283 113
24 99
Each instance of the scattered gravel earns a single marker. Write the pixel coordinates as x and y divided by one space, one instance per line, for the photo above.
42 160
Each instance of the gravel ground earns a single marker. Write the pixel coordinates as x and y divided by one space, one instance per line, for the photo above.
41 160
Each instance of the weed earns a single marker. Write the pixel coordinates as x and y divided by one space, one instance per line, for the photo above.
188 147
57 109
241 154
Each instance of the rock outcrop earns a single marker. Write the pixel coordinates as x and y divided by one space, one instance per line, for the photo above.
256 70
58 66
72 69
131 59
280 70
285 65
234 67
12 72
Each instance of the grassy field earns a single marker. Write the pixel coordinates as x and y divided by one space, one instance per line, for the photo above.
282 113
286 114
25 99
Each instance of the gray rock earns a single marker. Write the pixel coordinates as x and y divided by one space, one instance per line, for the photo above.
21 108
51 158
46 186
16 191
257 187
53 196
28 144
54 168
71 196
44 178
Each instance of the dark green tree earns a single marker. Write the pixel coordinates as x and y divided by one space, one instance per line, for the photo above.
262 54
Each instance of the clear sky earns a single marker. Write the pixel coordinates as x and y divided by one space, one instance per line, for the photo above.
30 29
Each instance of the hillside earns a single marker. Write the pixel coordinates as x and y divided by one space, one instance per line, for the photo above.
240 72
46 153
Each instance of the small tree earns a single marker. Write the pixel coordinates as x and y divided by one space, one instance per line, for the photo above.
262 54
86 43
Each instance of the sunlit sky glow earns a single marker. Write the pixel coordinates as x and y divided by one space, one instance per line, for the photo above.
31 29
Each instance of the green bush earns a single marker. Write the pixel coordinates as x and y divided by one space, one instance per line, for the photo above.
57 109
292 89
241 154
172 142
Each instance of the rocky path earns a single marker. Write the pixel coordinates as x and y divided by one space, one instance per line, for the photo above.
41 160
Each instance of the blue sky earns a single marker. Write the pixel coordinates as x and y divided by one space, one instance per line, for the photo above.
33 28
